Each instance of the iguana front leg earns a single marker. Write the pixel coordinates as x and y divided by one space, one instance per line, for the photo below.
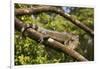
66 42
35 27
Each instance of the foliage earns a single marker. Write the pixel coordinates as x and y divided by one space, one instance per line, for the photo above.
28 51
85 15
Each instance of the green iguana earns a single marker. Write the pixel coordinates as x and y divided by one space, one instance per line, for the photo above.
64 37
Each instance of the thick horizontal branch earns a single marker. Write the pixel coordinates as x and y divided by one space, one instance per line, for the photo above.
25 11
50 42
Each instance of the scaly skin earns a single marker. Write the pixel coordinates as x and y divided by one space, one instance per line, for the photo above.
63 37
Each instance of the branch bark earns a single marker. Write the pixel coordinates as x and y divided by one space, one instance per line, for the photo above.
26 11
50 42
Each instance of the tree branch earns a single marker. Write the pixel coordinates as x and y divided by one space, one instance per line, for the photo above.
50 42
26 11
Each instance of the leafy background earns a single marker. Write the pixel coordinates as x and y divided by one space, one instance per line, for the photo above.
28 51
